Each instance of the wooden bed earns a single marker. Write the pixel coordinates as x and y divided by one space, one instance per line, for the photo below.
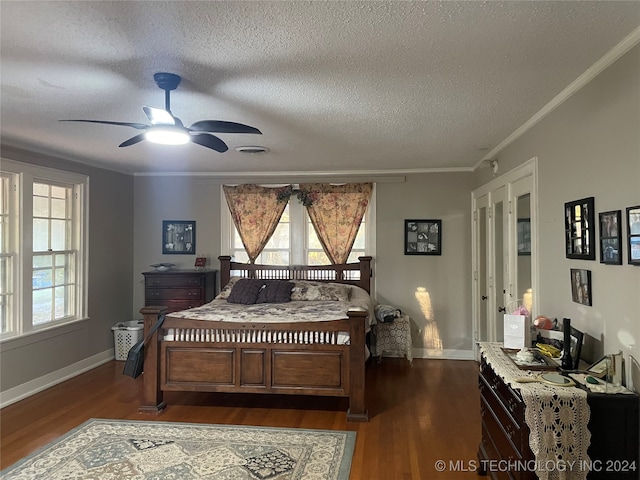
288 367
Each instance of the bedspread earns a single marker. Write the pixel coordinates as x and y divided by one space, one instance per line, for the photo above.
290 312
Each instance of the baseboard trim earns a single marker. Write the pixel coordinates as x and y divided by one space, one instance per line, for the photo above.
24 390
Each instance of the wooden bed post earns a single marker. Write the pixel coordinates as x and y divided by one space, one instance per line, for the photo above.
357 411
152 399
365 271
225 267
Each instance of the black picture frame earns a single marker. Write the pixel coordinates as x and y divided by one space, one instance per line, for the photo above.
610 237
423 237
581 286
179 237
580 229
524 236
556 339
633 235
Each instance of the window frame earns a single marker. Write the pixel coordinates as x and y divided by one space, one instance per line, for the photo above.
298 224
21 224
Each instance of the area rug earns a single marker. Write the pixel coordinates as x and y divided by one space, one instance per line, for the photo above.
143 450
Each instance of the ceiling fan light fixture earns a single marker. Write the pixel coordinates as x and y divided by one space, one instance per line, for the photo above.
167 135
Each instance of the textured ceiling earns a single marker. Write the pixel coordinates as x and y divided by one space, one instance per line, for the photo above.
333 86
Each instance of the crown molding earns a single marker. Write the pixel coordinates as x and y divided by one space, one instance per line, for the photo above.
592 72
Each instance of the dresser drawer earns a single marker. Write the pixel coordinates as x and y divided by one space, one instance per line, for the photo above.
492 431
154 294
179 289
172 281
511 427
512 401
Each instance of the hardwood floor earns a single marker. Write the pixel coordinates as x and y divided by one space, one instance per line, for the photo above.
417 415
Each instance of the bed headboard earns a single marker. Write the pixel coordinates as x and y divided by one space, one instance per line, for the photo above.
358 274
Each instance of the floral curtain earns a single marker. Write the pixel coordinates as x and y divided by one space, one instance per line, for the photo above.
336 212
256 212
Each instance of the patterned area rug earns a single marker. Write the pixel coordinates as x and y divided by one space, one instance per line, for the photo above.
118 449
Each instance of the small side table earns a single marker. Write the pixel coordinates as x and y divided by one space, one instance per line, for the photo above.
393 338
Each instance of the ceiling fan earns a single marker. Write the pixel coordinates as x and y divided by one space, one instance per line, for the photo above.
169 130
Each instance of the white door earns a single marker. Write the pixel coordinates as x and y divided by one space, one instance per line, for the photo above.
503 251
492 273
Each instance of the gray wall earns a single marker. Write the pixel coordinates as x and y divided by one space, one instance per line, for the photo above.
110 273
589 146
172 198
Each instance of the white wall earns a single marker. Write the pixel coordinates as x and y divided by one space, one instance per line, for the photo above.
589 146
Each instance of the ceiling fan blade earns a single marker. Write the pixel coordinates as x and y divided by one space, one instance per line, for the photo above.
132 140
220 126
157 116
210 141
139 126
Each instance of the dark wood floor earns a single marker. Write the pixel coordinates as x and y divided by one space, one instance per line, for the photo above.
418 414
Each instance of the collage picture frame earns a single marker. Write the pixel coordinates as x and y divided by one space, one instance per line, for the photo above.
423 237
179 237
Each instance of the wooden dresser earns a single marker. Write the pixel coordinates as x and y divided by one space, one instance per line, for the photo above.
179 289
613 425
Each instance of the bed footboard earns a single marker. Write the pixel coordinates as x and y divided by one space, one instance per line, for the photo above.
298 359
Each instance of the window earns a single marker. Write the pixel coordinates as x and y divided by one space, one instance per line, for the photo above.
7 253
54 257
295 241
43 238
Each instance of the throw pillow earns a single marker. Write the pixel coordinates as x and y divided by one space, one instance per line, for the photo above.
319 291
275 291
245 291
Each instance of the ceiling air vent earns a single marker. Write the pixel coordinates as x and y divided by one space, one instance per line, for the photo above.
252 149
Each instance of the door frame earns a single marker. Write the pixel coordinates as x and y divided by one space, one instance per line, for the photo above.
527 169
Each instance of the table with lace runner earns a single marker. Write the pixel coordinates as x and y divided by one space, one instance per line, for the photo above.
555 432
557 417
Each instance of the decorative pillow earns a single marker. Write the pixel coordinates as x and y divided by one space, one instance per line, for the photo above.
275 291
224 293
320 291
245 291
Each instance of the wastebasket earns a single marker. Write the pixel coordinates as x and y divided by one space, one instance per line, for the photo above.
125 336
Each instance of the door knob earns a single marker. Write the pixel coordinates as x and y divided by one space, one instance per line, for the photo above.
484 297
502 309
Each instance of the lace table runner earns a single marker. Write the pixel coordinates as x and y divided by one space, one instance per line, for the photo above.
557 418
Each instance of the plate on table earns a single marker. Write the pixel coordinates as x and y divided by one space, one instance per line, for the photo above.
539 362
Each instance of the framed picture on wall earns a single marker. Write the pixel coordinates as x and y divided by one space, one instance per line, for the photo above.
610 237
581 286
423 237
179 237
633 234
580 229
